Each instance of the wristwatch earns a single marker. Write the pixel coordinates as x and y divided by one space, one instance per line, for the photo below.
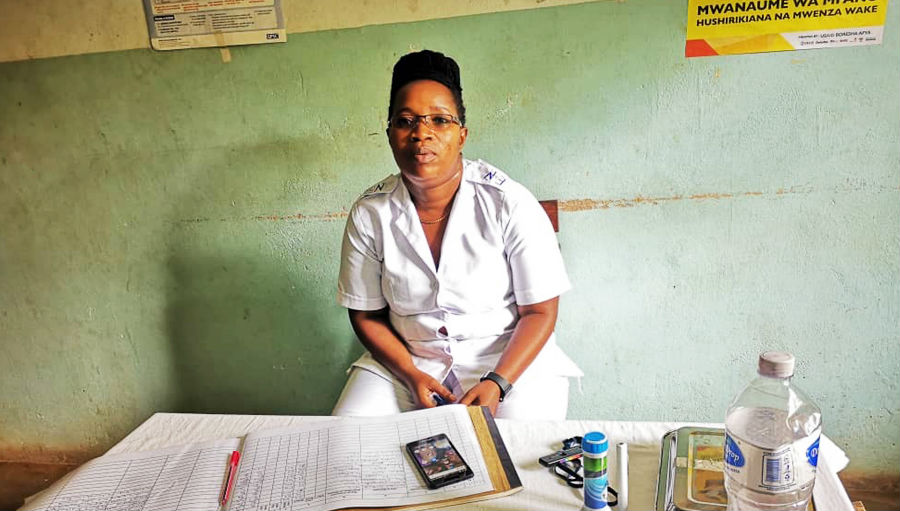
505 386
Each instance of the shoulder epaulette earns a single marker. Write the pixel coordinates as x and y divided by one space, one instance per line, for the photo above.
386 185
486 173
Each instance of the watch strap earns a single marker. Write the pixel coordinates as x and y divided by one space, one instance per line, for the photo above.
505 386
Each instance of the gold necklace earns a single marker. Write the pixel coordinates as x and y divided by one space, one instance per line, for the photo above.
429 222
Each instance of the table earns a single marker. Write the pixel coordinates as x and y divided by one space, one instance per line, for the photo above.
526 442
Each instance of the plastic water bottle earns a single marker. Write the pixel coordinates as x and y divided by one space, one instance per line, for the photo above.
771 441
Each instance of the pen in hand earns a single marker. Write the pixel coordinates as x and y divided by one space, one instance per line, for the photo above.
229 479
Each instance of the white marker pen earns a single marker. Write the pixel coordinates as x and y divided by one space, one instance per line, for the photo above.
622 471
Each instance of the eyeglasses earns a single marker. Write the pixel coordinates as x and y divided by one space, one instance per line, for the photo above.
435 122
574 441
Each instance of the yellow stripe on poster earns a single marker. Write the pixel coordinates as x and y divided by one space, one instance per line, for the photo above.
717 27
752 44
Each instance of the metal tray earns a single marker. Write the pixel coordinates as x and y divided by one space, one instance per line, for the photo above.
690 471
691 465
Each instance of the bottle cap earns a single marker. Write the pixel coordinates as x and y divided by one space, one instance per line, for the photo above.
594 443
776 364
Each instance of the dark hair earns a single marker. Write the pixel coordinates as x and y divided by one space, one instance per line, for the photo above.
428 65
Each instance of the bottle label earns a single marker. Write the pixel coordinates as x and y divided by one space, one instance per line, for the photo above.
596 483
812 454
593 465
595 489
789 467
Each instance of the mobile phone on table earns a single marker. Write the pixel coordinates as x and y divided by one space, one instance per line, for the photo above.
438 462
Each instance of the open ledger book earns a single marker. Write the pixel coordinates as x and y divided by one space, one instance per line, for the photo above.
335 464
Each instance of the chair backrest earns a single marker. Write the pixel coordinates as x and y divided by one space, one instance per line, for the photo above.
551 207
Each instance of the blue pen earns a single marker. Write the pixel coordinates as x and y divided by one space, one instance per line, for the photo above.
438 400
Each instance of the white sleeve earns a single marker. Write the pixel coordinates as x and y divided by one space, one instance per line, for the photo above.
538 272
359 280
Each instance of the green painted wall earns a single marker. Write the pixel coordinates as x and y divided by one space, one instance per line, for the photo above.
171 223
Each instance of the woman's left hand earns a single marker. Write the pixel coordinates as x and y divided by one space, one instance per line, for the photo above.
485 393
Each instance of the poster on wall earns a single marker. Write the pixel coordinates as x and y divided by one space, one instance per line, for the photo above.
178 24
723 27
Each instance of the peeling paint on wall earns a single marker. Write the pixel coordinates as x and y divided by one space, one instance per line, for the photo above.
569 205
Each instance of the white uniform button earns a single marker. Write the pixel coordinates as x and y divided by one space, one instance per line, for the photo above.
443 331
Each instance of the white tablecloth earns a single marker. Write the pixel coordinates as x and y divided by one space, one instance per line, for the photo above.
526 442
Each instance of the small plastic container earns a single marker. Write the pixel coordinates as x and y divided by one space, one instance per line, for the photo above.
594 446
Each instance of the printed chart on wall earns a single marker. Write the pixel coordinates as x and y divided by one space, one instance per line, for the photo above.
722 27
178 24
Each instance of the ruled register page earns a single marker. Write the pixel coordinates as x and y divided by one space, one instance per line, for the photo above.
351 462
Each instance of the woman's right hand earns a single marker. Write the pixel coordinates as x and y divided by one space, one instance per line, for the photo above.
423 388
378 336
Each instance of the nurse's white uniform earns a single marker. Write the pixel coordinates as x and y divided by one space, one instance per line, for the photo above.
498 250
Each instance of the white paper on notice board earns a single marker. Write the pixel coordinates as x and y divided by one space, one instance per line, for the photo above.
179 24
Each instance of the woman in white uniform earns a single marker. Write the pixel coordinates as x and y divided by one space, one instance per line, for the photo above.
450 270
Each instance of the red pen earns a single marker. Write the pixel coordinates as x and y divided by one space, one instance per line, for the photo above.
229 481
